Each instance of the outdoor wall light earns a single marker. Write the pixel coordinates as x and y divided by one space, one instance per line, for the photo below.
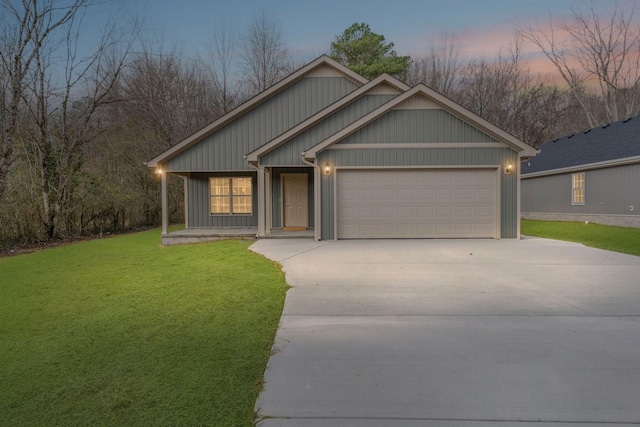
508 169
326 168
159 171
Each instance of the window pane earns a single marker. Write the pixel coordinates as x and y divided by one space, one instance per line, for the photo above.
220 205
219 186
242 204
577 184
241 186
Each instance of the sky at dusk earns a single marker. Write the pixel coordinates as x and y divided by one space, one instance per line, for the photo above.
482 27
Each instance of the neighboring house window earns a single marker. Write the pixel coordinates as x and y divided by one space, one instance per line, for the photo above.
231 196
577 196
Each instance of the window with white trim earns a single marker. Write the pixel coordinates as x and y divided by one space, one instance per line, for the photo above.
231 195
577 188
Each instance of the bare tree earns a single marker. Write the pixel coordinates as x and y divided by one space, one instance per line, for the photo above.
61 91
596 52
169 97
264 56
26 28
440 67
503 91
221 56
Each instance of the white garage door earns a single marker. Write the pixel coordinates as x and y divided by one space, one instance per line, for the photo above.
432 203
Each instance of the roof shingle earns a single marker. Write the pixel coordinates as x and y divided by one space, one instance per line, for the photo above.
613 141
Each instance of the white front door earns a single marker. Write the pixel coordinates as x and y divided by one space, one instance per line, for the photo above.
295 201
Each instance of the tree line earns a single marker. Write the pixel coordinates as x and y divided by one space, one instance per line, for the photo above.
77 127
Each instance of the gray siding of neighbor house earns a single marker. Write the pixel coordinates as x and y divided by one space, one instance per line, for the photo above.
423 157
224 149
199 197
276 193
417 126
608 191
289 153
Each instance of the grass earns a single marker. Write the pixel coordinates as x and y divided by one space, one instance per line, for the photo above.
122 331
618 239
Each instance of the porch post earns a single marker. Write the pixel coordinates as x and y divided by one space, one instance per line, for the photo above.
186 201
269 201
165 202
317 215
261 202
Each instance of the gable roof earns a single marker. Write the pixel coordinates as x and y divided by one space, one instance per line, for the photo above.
598 146
254 102
371 87
425 97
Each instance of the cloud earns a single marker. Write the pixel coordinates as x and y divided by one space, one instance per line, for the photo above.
490 42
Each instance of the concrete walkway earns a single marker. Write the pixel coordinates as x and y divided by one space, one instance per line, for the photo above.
453 333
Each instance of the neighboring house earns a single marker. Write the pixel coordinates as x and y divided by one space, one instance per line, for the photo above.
327 151
588 176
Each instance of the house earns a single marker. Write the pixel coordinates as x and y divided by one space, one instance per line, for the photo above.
328 153
588 176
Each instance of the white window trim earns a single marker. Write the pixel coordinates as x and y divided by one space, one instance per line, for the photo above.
574 188
230 196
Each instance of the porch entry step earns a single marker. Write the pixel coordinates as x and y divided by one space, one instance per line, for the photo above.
294 229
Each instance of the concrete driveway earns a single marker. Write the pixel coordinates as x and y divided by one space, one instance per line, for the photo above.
453 333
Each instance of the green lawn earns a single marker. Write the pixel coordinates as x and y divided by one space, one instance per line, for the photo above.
618 239
122 331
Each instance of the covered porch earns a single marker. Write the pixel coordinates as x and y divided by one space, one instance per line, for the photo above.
283 205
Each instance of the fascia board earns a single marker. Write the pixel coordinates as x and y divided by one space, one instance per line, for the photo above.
588 166
251 103
316 118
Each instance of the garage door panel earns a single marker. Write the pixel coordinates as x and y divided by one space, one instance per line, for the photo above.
416 203
425 212
386 229
484 211
425 193
465 229
464 193
484 194
367 211
406 194
444 212
406 211
425 176
424 230
463 211
387 212
386 195
444 176
365 194
347 195
464 176
444 194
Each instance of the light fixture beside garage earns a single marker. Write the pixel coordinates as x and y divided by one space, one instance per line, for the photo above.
508 169
326 168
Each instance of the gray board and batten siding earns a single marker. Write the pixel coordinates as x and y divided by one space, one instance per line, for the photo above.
224 150
289 154
417 126
612 196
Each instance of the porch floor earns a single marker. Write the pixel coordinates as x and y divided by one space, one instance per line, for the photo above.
195 235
